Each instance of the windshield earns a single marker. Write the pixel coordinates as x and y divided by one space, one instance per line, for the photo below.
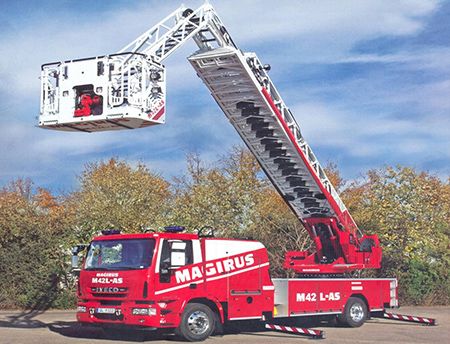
127 254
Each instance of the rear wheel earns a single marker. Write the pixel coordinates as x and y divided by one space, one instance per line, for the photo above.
197 323
355 313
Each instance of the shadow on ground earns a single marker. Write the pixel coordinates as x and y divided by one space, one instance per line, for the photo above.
73 329
23 320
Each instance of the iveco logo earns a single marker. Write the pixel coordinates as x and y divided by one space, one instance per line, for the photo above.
108 289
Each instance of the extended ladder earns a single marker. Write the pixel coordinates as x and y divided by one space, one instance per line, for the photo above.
240 85
127 90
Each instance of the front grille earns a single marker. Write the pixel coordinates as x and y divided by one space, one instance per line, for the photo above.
109 289
108 295
110 303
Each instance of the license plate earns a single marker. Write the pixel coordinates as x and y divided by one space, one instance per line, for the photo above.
105 310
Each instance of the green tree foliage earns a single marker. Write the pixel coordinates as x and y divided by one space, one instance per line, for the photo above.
113 194
33 233
221 196
275 225
234 197
410 211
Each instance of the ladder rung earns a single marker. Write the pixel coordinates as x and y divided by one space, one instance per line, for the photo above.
264 133
270 140
277 152
259 126
289 171
241 99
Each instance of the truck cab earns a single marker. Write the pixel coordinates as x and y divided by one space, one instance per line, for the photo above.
173 280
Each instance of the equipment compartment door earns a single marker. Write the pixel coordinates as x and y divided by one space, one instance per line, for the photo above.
245 298
303 296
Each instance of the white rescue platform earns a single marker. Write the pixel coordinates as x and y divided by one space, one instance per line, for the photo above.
119 91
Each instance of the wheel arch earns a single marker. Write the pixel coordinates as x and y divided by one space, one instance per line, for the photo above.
363 298
199 319
215 306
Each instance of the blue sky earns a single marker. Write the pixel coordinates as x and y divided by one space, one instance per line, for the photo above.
368 81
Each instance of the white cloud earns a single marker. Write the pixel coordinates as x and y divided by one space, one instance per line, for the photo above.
27 151
372 135
288 32
321 31
362 19
432 58
327 29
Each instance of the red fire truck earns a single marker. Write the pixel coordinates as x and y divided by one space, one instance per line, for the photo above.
195 283
191 282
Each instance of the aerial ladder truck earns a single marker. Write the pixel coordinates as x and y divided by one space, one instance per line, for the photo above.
189 280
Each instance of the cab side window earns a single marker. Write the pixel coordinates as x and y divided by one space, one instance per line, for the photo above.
174 254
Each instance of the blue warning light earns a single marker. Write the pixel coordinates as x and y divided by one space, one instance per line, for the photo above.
174 229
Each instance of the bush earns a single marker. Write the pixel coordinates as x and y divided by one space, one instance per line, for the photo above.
32 237
424 284
410 212
65 299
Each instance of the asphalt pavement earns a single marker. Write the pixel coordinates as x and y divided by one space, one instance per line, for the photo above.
61 327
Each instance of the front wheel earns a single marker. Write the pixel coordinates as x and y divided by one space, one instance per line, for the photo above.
355 313
197 323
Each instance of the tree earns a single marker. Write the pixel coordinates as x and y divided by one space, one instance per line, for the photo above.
334 175
113 194
33 232
410 211
275 225
235 197
221 196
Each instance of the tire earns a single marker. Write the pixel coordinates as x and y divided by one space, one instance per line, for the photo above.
218 326
355 313
197 323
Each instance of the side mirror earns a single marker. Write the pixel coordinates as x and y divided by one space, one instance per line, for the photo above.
78 248
75 269
75 261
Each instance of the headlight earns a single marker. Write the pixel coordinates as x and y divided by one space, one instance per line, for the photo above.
81 309
144 311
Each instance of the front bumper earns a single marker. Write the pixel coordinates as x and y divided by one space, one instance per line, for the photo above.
121 315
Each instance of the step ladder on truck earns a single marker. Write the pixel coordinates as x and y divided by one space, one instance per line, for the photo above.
194 283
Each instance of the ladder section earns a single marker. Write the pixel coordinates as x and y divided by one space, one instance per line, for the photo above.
253 114
203 25
240 85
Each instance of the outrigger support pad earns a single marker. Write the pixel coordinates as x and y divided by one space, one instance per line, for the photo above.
315 334
408 318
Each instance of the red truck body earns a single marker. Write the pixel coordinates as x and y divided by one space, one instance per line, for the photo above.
231 277
313 296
